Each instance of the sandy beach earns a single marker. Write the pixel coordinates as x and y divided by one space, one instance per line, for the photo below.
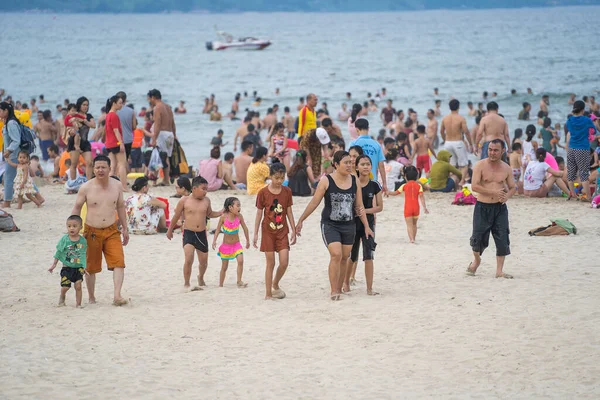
433 333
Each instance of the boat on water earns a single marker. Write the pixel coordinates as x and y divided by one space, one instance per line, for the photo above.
228 42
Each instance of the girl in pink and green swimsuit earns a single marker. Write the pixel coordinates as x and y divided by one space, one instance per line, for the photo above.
231 248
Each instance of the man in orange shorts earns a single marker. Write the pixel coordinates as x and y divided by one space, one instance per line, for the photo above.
103 195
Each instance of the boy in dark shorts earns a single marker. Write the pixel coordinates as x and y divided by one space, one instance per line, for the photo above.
274 205
196 209
71 251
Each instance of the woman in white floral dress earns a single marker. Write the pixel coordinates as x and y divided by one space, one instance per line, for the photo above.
145 214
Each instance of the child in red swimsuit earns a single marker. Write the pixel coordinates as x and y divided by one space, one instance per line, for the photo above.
413 191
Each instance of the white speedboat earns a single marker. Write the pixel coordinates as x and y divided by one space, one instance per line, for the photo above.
228 42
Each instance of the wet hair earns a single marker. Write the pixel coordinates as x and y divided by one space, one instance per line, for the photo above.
80 102
269 110
478 119
454 104
411 173
76 218
100 158
139 184
301 99
276 168
421 129
540 154
220 132
251 128
356 148
492 106
286 109
339 156
326 122
260 153
516 146
518 133
185 183
391 154
246 145
541 114
526 104
54 148
530 132
197 181
215 152
356 109
299 163
155 93
229 156
361 124
470 103
110 102
485 94
229 202
547 122
560 160
47 114
364 156
500 142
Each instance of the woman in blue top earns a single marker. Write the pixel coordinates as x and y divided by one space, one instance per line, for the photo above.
10 150
580 128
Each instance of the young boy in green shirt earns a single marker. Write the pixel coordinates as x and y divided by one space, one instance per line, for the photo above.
71 251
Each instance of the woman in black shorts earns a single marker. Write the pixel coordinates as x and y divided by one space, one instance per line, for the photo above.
342 198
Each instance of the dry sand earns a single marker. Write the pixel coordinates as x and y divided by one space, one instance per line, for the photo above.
433 332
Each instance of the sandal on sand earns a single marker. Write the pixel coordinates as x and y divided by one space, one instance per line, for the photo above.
506 276
241 284
278 294
469 272
352 282
336 297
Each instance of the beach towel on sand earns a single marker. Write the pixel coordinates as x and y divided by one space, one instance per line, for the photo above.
559 227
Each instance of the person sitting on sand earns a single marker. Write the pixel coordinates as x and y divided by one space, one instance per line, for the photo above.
145 214
183 187
535 181
258 171
195 209
301 179
212 170
441 170
515 161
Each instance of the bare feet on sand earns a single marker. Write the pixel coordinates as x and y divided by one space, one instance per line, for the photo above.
504 275
120 302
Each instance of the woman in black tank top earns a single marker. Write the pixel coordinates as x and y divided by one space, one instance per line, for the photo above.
343 200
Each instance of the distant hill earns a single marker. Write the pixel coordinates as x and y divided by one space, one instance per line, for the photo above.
156 6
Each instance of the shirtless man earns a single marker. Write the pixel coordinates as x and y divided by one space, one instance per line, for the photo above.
544 103
492 126
215 115
432 128
103 197
241 132
493 181
235 106
62 137
164 131
195 208
46 131
270 120
332 129
242 162
290 122
300 105
454 130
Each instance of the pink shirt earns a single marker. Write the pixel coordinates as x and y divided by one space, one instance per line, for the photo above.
208 169
352 129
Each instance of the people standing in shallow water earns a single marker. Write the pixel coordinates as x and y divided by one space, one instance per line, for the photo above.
493 181
343 198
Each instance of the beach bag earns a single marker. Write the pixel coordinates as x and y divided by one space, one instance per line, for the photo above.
27 139
179 165
460 199
559 227
7 224
155 163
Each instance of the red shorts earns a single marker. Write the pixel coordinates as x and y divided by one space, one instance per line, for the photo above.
424 162
411 209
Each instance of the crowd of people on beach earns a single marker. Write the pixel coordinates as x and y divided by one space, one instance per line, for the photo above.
303 154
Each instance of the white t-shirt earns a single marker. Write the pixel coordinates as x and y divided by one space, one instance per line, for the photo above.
535 175
393 170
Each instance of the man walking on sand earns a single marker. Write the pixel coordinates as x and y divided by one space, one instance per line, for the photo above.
103 197
490 179
492 126
164 131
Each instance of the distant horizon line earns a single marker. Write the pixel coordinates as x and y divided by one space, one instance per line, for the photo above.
206 12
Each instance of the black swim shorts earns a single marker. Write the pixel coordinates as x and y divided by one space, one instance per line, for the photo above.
70 275
333 232
196 239
367 245
84 145
490 218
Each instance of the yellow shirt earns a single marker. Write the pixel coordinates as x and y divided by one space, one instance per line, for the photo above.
256 176
307 120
